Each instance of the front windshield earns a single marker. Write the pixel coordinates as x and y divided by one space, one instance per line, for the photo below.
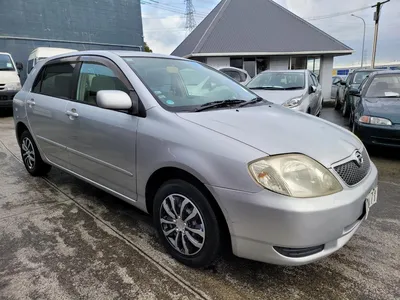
278 81
184 85
359 77
6 63
384 86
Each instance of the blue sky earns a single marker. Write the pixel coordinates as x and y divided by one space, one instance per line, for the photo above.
164 24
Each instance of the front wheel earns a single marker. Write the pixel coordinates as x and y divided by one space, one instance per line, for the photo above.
186 223
31 157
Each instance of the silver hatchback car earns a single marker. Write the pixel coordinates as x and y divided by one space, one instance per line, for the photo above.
216 166
295 89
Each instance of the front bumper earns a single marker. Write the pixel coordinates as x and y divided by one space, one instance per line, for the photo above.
258 222
378 135
6 98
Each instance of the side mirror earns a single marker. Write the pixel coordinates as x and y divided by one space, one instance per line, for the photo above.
312 89
19 66
354 92
343 82
113 99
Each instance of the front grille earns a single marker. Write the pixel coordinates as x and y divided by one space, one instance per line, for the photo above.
351 173
3 97
2 86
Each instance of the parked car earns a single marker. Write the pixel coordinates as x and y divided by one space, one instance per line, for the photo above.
336 83
295 89
376 116
43 53
10 82
353 80
239 75
220 168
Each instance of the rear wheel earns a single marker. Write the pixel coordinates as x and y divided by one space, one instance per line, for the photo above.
186 223
345 109
337 102
31 157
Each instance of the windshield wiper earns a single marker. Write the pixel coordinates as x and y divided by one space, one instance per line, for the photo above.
251 102
293 88
265 88
216 104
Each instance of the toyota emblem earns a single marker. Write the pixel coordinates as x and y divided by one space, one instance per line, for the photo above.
359 158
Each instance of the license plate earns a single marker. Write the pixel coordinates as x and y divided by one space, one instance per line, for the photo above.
370 200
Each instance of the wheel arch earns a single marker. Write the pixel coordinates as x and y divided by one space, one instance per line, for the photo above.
19 129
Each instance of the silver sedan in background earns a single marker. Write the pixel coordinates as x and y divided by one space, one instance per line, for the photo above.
295 89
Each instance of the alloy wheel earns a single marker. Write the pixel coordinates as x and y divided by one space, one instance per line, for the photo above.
28 153
182 224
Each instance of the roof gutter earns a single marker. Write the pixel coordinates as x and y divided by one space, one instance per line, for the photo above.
332 52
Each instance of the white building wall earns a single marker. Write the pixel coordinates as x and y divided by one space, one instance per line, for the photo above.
279 63
325 76
217 62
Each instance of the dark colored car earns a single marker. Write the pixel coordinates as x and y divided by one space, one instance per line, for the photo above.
353 81
376 116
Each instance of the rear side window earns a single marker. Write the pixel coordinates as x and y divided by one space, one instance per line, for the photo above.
55 80
233 74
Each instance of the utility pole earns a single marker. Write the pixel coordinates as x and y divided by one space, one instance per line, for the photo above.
190 20
376 19
363 44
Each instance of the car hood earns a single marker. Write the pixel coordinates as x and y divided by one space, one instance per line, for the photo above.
9 77
388 108
273 129
278 97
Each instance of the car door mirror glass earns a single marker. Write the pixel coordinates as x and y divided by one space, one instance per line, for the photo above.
19 66
113 99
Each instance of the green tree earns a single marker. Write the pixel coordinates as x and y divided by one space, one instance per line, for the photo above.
147 48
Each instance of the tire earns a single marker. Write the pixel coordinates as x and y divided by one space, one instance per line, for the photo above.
345 109
196 250
337 102
33 161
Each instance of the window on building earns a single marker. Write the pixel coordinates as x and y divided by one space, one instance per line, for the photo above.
57 80
95 77
200 59
298 63
250 66
262 64
237 62
313 64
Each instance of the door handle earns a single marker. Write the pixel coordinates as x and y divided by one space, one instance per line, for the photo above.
72 113
31 102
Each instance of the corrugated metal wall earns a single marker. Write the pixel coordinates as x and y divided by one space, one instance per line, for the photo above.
77 24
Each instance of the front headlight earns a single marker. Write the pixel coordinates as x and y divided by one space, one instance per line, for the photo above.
294 175
374 121
296 101
13 86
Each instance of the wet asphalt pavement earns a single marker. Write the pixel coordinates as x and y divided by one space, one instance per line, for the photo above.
61 238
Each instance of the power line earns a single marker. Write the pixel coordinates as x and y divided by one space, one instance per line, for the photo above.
336 14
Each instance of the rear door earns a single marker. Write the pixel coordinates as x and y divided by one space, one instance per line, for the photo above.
46 106
103 140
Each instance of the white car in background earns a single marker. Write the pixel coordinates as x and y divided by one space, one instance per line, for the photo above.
295 89
10 83
239 75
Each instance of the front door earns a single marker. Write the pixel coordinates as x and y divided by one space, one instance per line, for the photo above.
103 141
46 106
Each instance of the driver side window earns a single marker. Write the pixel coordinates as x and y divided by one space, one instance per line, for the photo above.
95 77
